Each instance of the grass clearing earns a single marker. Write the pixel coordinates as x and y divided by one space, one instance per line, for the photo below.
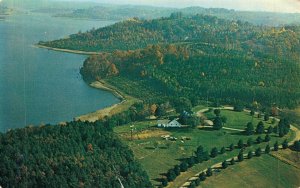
264 171
157 155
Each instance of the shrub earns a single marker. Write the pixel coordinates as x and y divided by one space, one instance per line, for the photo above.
267 138
285 144
232 161
258 140
240 144
214 152
276 146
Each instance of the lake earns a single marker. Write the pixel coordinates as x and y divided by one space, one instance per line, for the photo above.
40 86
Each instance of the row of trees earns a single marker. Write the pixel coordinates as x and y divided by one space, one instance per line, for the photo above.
241 156
282 128
202 155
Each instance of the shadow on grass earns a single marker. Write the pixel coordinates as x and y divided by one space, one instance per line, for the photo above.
159 180
239 133
206 129
150 148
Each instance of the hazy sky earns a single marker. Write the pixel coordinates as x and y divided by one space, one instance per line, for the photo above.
261 5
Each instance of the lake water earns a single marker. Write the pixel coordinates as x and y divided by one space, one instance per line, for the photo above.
38 85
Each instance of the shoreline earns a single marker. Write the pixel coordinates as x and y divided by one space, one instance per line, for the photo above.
66 50
125 102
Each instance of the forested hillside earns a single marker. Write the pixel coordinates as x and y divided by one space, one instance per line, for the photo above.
198 57
135 34
198 72
73 155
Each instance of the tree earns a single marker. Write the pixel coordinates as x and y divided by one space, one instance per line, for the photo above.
267 138
249 142
197 182
232 161
224 164
266 117
240 156
250 154
258 152
231 147
285 144
275 129
209 172
183 166
240 144
267 149
252 112
171 175
202 176
223 150
217 112
269 130
191 161
260 128
238 107
164 182
276 146
192 185
249 129
296 146
177 170
214 152
258 140
218 124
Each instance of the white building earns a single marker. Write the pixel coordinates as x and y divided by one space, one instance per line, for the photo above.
167 123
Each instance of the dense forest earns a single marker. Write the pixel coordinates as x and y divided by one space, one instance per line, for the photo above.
77 154
197 57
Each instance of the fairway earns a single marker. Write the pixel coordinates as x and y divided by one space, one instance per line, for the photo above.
265 171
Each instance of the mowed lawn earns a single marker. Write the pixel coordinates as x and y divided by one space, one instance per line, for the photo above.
157 155
260 172
239 120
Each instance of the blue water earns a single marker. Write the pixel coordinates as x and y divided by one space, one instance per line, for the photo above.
41 86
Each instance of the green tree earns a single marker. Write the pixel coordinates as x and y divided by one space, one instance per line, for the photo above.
270 130
218 124
202 176
177 170
249 142
224 164
266 117
249 129
164 182
240 144
232 161
231 147
252 112
171 175
258 152
250 154
214 152
267 149
276 146
240 156
260 128
223 150
267 138
183 166
258 140
285 144
209 172
217 112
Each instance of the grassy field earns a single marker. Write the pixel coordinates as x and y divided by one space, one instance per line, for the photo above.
265 171
157 155
238 120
